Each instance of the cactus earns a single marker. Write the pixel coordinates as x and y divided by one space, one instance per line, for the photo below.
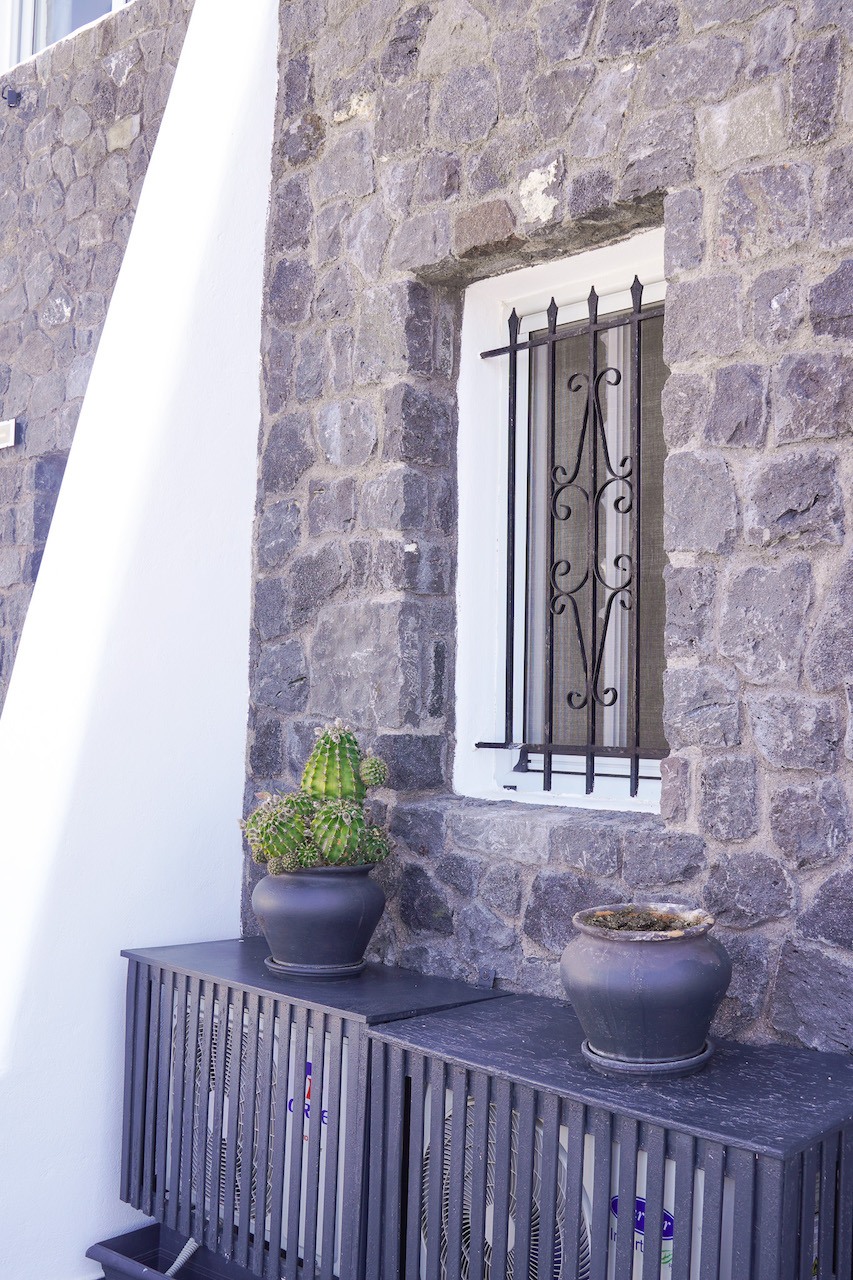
324 824
331 772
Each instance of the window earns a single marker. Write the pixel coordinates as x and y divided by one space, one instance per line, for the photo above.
27 26
560 585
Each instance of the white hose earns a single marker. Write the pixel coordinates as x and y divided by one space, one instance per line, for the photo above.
184 1256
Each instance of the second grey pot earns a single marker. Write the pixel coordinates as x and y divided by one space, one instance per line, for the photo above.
645 1000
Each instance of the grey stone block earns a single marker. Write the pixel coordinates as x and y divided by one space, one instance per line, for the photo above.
415 761
346 166
689 617
764 210
515 54
399 57
347 432
813 395
739 407
685 403
684 242
313 577
658 154
795 497
419 426
729 798
335 294
654 857
743 128
364 663
744 1000
762 624
700 505
422 241
700 708
366 237
831 303
312 365
468 105
277 534
631 28
771 42
554 97
331 505
269 612
811 824
703 318
266 757
674 789
830 917
829 657
502 889
555 896
398 499
291 216
438 177
599 123
288 453
748 888
281 677
462 873
291 289
484 229
421 828
423 907
402 117
813 998
500 830
777 304
814 88
795 731
837 216
564 27
590 844
591 194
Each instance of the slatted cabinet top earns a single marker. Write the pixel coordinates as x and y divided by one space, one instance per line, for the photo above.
768 1099
381 993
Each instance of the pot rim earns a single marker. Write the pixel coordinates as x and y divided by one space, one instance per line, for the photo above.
313 871
702 922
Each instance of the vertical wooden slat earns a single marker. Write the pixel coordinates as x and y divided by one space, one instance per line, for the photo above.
250 1088
150 1127
352 1233
685 1173
653 1233
268 1126
235 1088
808 1201
480 1148
417 1074
375 1201
129 1103
140 1068
164 1092
574 1121
315 1136
600 1230
330 1172
281 1141
768 1219
741 1166
712 1210
792 1190
627 1136
189 1104
178 1083
549 1118
844 1221
456 1171
526 1131
829 1159
502 1130
293 1190
436 1169
392 1185
201 1136
214 1159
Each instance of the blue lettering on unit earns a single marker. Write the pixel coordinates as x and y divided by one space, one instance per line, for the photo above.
324 1115
668 1229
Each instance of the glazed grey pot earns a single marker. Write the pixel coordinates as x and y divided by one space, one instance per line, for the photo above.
645 1000
318 921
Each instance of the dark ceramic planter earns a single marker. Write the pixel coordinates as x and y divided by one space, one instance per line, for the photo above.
319 921
646 1000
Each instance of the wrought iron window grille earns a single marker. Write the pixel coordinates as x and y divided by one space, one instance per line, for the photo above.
579 683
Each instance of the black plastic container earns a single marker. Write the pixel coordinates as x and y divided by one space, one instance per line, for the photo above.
147 1254
645 1000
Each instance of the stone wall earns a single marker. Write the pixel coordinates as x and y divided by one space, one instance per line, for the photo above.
420 148
73 155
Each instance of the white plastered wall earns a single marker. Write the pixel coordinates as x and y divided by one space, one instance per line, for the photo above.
123 735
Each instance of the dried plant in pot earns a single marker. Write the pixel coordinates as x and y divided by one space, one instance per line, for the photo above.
317 906
645 981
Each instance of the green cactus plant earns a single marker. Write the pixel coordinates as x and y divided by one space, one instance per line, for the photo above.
323 824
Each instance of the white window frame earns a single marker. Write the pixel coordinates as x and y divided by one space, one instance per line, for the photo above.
19 40
485 773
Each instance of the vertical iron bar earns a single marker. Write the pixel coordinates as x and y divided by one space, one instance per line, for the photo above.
655 1169
550 1121
130 1074
626 1135
480 1144
236 1092
601 1122
191 1086
529 539
636 529
268 1127
742 1168
284 1134
456 1172
574 1119
178 1083
297 1143
250 1162
315 1136
164 1092
436 1169
685 1173
147 1205
200 1135
223 994
526 1131
548 722
593 428
511 530
332 1207
712 1211
417 1072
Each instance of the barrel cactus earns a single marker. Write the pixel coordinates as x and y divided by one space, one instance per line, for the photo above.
323 824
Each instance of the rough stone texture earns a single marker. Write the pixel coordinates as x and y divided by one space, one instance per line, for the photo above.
814 88
751 969
831 303
778 308
684 244
703 318
794 731
813 998
829 658
701 708
795 498
811 825
700 504
749 125
763 619
739 407
749 888
764 210
654 857
73 155
813 394
689 603
729 798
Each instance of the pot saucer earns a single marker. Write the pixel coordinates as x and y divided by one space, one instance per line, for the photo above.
640 1071
284 970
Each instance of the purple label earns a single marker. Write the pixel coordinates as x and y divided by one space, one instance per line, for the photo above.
640 1218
